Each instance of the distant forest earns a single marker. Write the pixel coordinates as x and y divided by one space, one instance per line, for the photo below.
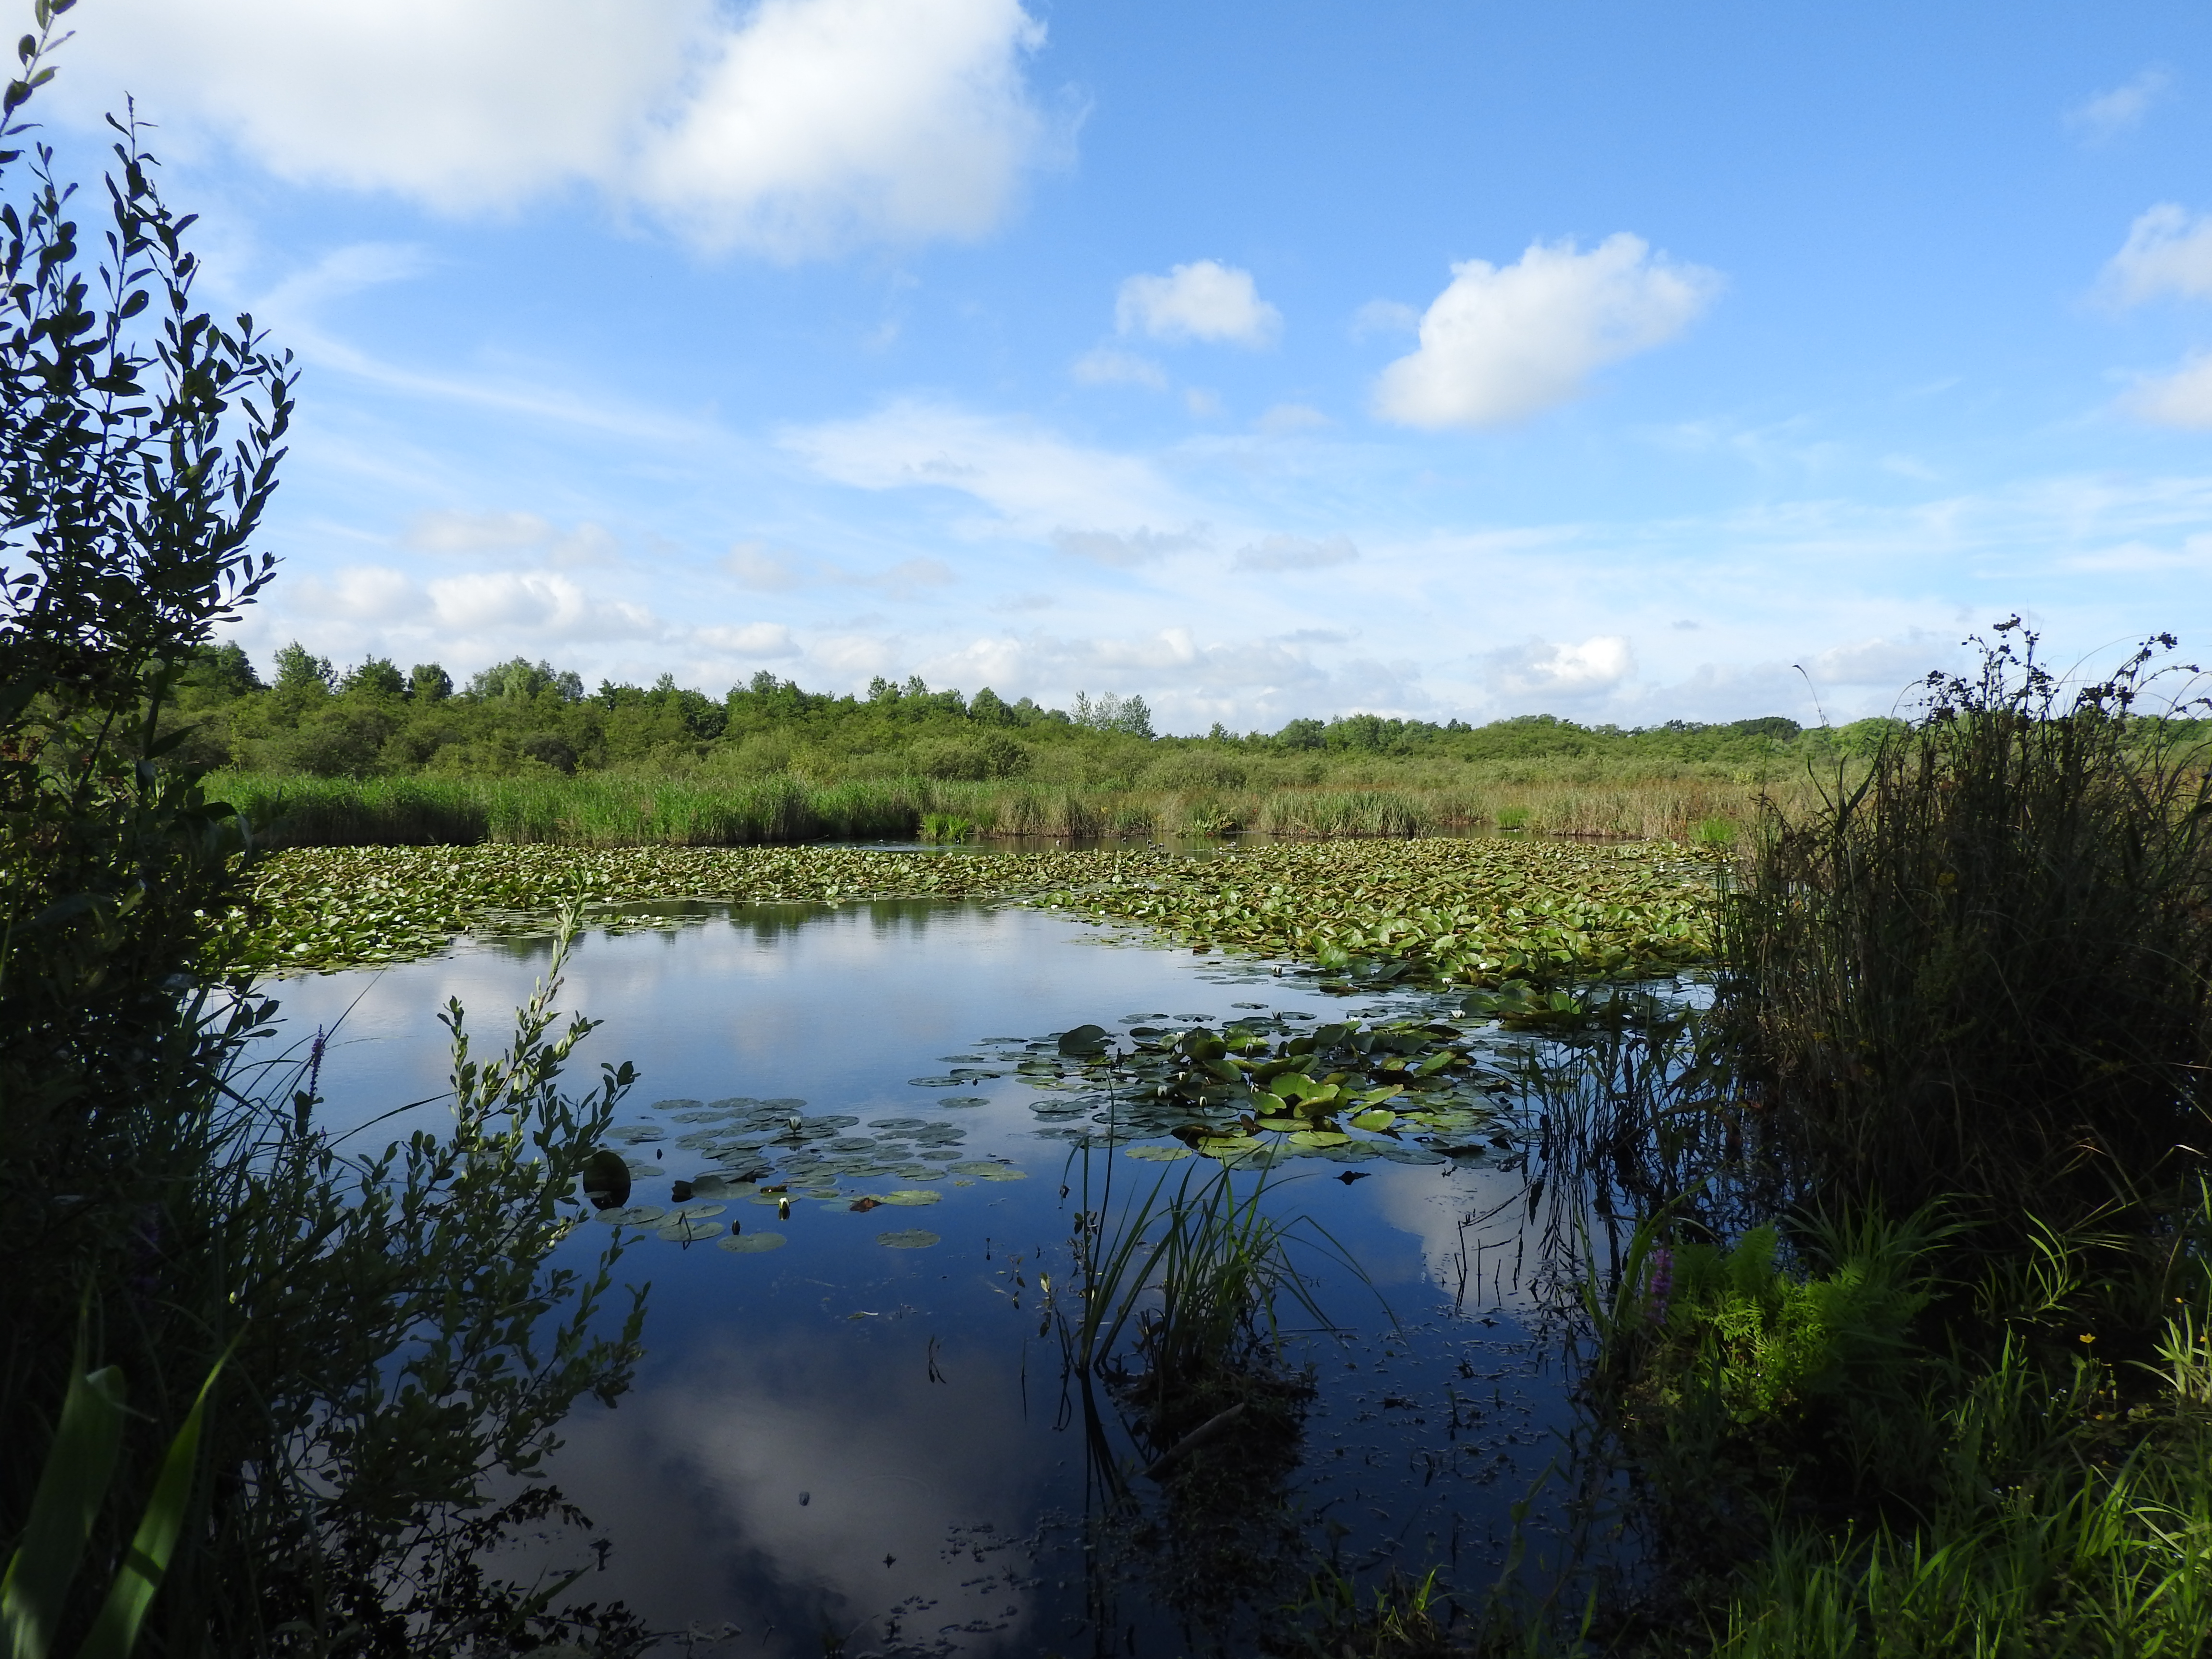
518 718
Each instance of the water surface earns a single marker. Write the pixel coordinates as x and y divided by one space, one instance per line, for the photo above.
839 1440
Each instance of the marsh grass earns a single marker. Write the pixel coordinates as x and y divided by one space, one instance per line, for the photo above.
621 810
1984 968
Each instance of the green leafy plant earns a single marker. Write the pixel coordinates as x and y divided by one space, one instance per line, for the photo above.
72 1490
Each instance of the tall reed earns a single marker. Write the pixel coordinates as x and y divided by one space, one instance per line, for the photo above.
1985 968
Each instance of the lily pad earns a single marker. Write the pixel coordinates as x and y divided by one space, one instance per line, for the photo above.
957 1101
753 1243
908 1239
641 1215
934 1082
912 1196
1159 1154
985 1169
689 1233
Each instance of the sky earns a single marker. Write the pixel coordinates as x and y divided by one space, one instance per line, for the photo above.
1620 361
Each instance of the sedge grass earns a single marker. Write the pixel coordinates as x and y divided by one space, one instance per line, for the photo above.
611 809
1986 966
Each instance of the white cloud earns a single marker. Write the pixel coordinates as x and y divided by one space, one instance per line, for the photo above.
2108 114
2168 252
1107 367
1124 551
1295 553
2181 399
749 640
793 128
1500 344
1202 300
359 593
820 123
1540 669
1038 483
538 603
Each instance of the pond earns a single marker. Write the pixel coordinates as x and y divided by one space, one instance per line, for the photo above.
854 1429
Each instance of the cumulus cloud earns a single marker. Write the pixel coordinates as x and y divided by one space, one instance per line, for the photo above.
1503 343
1295 553
2122 109
2168 253
1541 669
1107 367
536 602
2183 398
1124 550
792 128
1202 300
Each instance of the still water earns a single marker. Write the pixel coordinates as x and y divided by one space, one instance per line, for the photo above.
836 1439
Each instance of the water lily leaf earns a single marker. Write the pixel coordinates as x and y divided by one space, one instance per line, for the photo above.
1084 1041
956 1102
986 1169
1159 1154
1288 1124
1318 1138
695 1211
908 1239
606 1180
914 1196
1376 1117
689 1233
753 1243
642 1215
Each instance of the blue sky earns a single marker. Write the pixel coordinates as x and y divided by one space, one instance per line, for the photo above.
1615 360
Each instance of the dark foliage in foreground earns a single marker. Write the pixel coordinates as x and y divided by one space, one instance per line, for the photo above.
383 1331
1986 966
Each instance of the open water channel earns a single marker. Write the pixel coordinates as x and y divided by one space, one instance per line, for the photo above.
854 1430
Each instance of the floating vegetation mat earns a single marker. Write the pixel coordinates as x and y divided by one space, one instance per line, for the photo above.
1477 912
1418 1082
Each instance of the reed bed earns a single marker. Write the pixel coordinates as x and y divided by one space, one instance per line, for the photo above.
627 809
1987 966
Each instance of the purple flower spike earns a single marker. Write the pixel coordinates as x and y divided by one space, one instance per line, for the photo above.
1661 1285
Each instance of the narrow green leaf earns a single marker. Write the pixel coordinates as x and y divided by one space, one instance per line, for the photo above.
70 1490
115 1632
